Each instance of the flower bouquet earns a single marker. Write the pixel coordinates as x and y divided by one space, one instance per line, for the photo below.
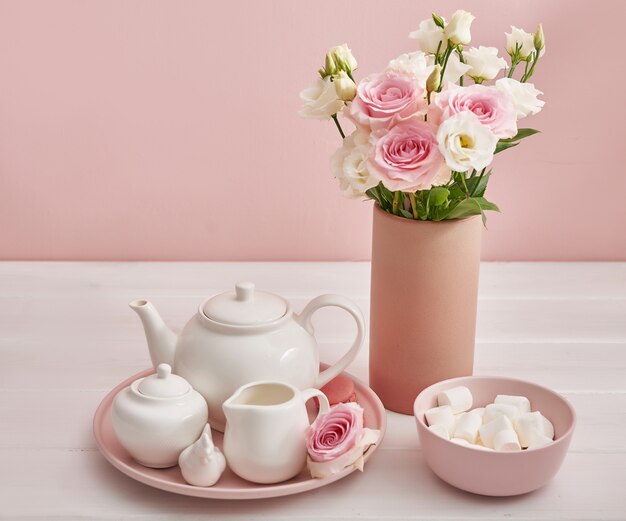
429 125
426 131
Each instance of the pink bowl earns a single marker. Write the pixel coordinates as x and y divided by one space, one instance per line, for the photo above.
496 473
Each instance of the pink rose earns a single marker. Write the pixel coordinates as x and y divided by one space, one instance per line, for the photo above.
493 108
335 433
382 96
406 156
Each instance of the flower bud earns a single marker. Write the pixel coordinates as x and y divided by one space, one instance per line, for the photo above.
434 80
439 22
344 86
343 58
538 39
458 29
329 65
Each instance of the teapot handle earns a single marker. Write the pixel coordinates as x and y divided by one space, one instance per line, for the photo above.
344 303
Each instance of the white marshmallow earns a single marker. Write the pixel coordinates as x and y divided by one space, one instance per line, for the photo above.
467 426
441 416
539 440
531 424
440 430
506 441
482 447
458 398
461 441
479 410
521 402
493 410
489 430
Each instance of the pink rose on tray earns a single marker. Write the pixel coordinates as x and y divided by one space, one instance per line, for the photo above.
337 440
493 108
382 96
406 156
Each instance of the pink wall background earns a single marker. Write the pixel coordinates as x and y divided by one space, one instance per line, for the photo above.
169 130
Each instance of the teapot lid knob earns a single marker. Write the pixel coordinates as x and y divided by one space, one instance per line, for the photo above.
164 370
244 291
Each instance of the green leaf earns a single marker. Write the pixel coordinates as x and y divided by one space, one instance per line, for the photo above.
373 193
404 213
521 134
471 206
503 145
438 195
465 208
486 205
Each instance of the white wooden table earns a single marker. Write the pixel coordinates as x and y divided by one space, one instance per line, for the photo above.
67 337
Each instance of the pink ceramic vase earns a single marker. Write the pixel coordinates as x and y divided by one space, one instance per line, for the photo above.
423 304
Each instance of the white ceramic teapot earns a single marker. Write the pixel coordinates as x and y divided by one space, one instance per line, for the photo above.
243 336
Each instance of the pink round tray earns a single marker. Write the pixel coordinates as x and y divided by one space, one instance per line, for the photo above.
229 486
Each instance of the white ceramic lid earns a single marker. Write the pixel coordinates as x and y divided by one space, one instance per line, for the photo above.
245 306
163 384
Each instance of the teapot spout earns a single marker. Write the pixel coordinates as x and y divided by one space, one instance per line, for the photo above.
161 339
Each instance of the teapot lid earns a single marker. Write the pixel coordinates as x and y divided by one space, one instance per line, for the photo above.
245 306
163 384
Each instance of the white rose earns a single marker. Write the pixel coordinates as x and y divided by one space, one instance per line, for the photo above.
320 100
342 53
344 86
454 69
523 96
458 29
523 39
415 64
349 165
465 143
484 62
428 37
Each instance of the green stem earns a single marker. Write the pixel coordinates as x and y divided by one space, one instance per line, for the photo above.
528 74
462 61
437 52
413 205
462 175
515 59
446 57
482 173
396 202
343 136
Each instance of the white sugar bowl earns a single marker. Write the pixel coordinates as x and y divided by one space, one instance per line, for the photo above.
158 416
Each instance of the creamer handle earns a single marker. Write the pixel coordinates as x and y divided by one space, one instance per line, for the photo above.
321 397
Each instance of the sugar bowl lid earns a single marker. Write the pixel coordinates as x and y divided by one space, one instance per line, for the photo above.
163 384
245 306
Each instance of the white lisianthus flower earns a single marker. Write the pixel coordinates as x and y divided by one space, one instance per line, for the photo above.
458 29
349 165
466 143
523 95
344 86
416 64
429 36
320 100
484 62
522 39
343 53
